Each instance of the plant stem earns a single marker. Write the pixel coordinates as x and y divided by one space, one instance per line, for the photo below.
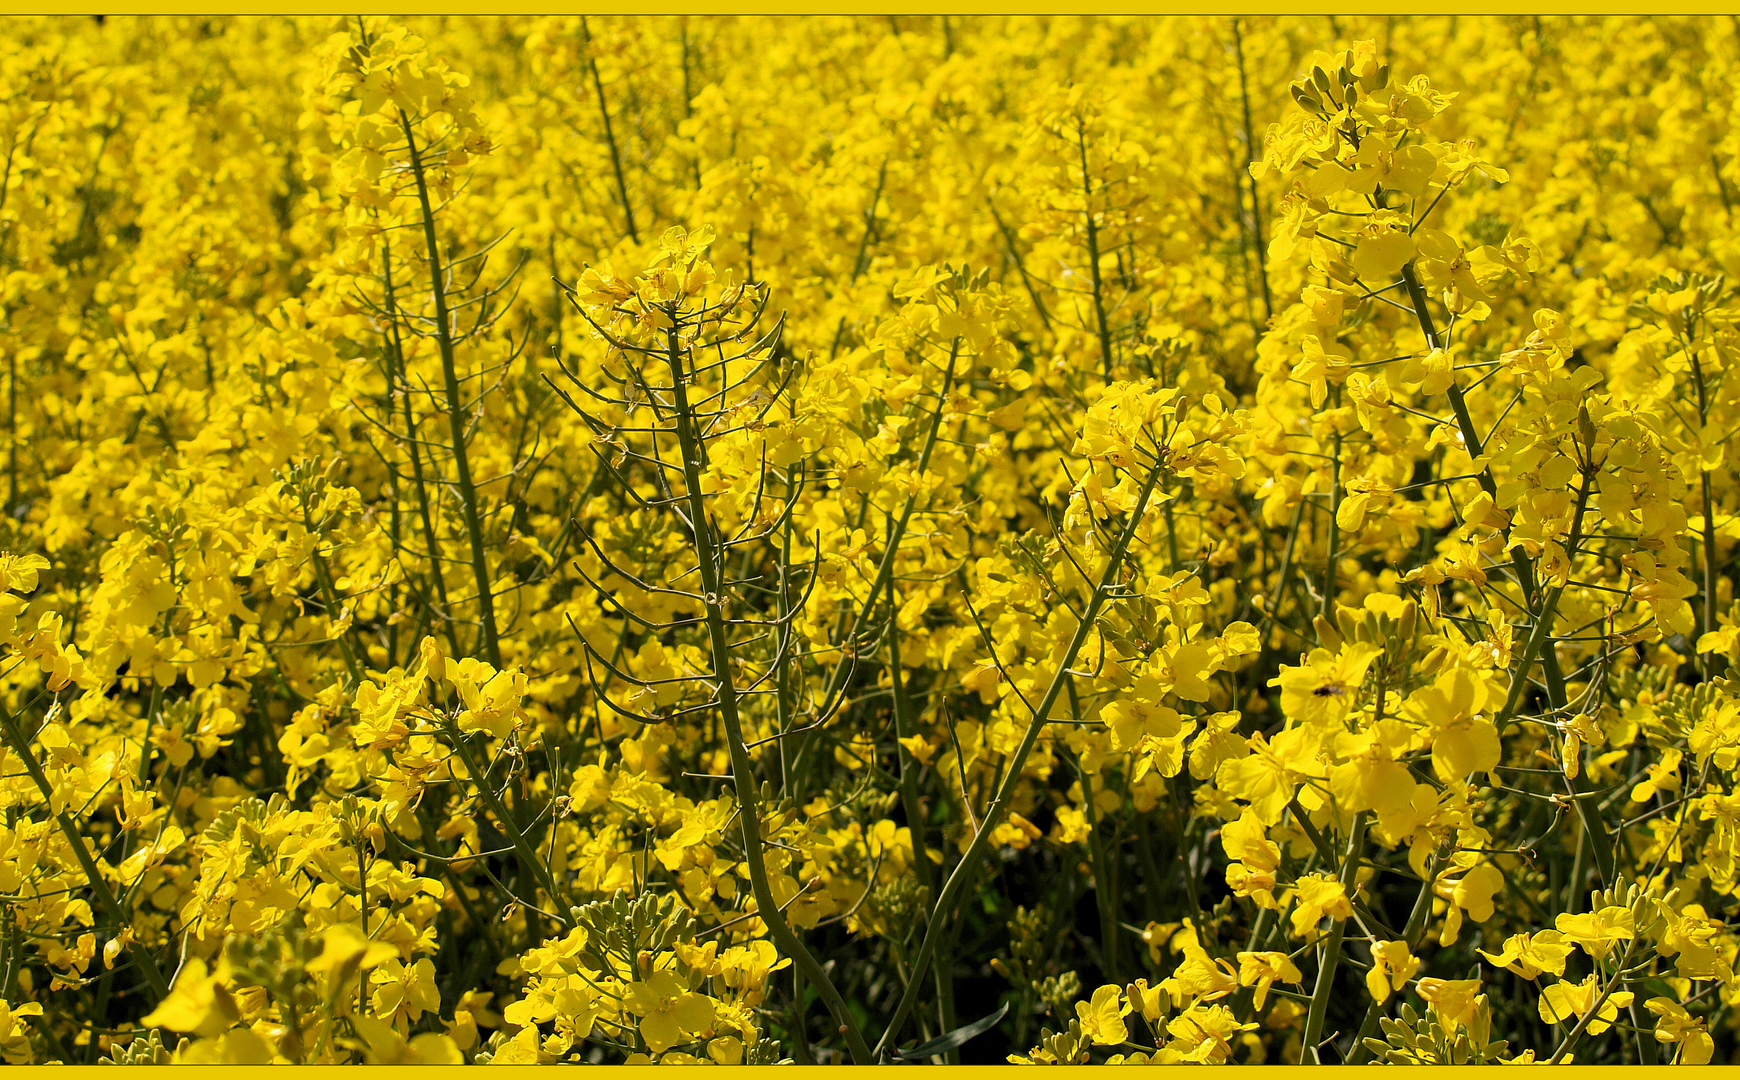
742 768
20 744
1329 954
528 856
1335 495
994 813
1250 150
1093 249
1646 1049
836 683
11 431
455 414
1104 885
610 133
1410 934
397 375
1595 1009
905 725
1706 661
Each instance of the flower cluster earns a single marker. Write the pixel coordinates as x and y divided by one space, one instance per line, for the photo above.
578 539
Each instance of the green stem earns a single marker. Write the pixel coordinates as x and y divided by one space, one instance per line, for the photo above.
1706 661
994 813
12 944
12 431
1579 869
906 726
1335 492
145 742
836 684
479 925
1646 1048
16 739
742 768
1093 248
1410 934
1260 247
783 688
397 376
1471 440
1711 661
1594 1010
455 413
610 134
1329 953
1104 885
528 856
1543 619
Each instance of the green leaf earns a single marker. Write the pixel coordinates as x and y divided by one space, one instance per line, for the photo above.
950 1040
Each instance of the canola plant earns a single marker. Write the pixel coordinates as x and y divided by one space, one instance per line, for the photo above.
732 540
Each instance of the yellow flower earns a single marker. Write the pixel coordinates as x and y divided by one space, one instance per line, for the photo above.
1454 1000
669 1012
14 1044
382 1045
1384 247
1596 932
1473 892
1391 968
197 1003
1326 687
1530 954
1203 1033
404 992
1675 1026
1263 970
1102 1017
1255 859
1462 740
1320 366
1662 774
1567 1003
1317 897
1200 976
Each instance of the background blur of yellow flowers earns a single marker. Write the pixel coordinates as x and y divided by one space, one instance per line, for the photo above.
943 539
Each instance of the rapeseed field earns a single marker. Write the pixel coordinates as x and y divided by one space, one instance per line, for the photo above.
604 539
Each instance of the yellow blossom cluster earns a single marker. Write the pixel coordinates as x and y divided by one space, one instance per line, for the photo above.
868 539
